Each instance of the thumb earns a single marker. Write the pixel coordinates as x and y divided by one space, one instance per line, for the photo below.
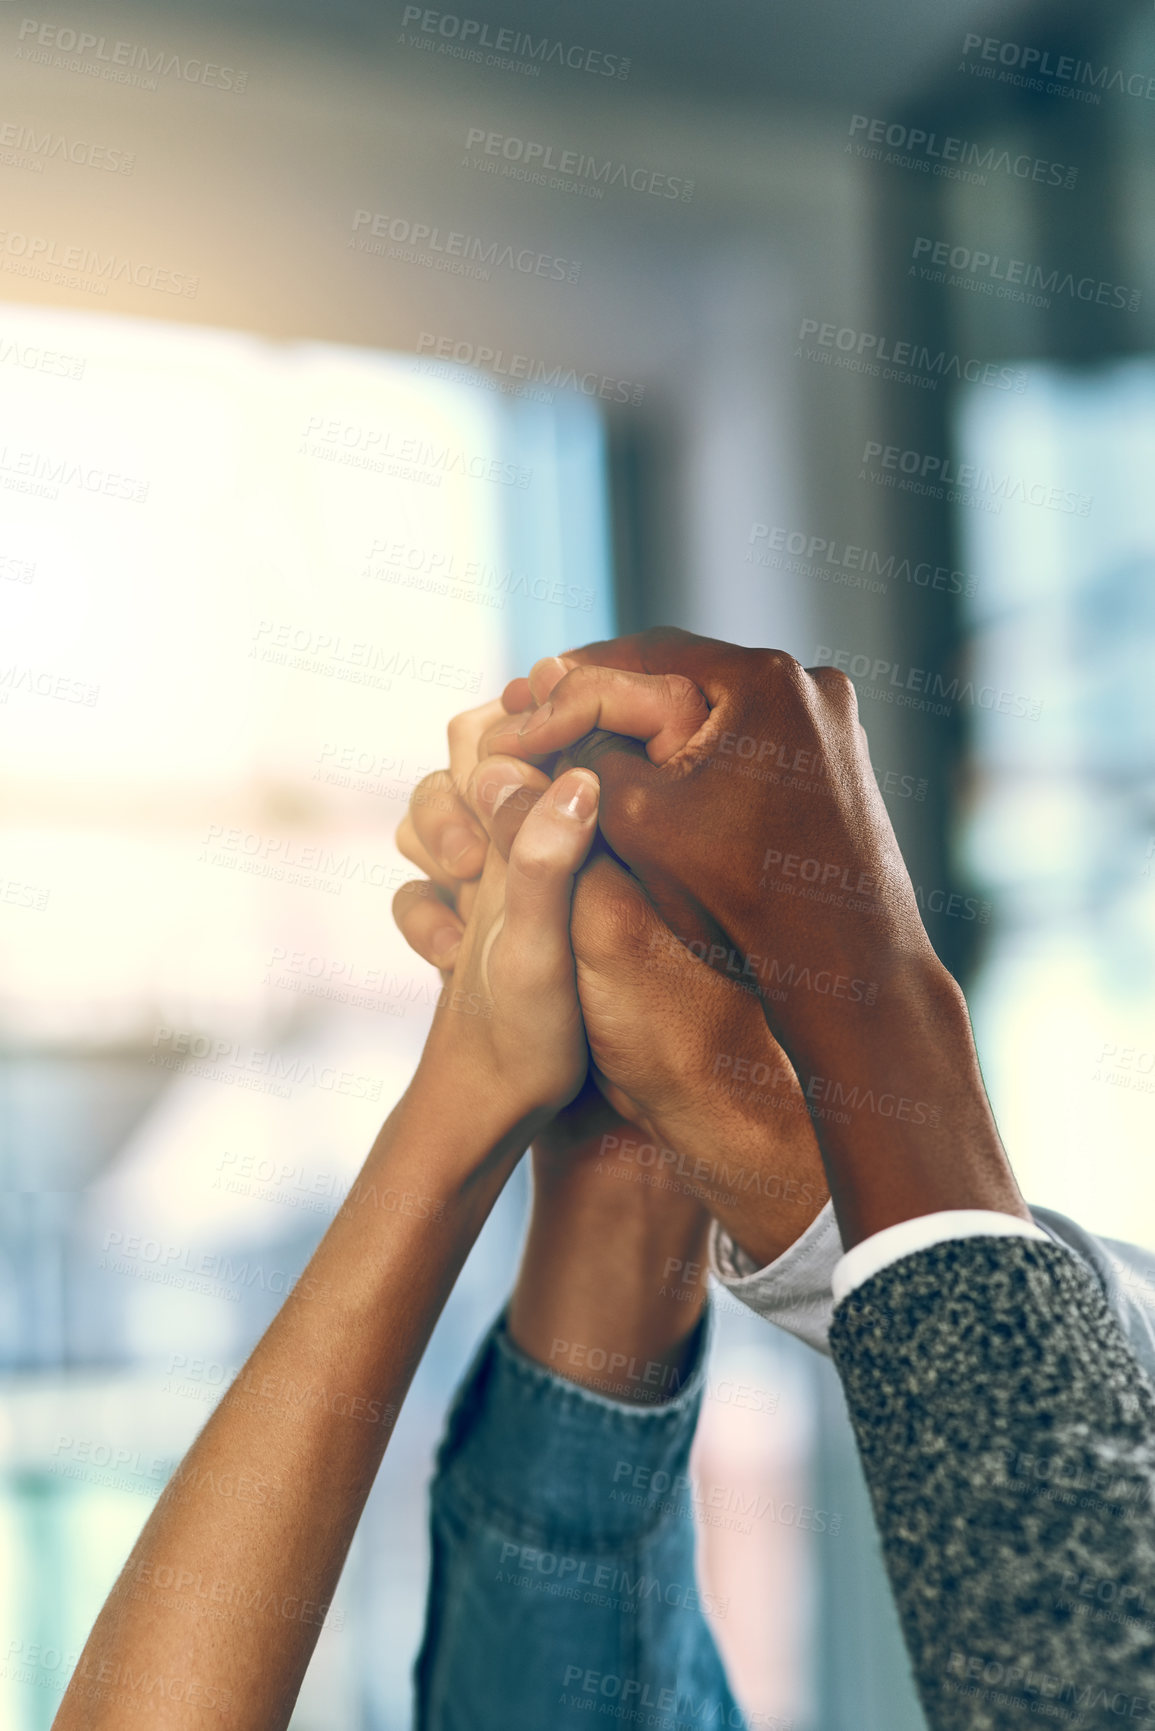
547 853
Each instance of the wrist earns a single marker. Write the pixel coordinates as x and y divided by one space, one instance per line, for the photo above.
613 1278
900 1110
756 1162
858 1000
917 1029
469 1122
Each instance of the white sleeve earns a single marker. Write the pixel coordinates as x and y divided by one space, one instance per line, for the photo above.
797 1291
793 1291
894 1242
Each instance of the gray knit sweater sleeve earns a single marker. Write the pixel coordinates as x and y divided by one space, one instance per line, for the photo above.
1007 1434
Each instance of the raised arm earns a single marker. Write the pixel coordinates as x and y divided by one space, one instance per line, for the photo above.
1003 1422
756 827
218 1608
562 1509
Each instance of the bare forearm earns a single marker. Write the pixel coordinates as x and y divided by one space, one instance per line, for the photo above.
217 1611
754 1157
899 1108
775 886
612 1280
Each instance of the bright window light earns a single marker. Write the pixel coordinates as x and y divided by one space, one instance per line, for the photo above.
1059 825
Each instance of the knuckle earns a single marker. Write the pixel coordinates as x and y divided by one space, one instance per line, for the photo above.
683 695
779 664
534 862
634 811
664 639
405 839
577 683
408 897
459 728
433 793
833 683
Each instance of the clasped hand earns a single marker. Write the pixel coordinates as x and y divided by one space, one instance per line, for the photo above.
745 913
664 1033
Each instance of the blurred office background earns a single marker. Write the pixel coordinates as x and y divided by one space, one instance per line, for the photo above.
262 535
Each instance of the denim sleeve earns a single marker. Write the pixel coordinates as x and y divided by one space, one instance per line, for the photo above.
563 1581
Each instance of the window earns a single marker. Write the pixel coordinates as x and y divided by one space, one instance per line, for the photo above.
1057 824
247 584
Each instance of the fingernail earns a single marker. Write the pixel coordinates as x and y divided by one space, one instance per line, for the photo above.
494 786
456 840
444 943
580 799
535 719
545 674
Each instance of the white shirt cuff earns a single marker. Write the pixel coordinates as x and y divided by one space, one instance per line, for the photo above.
793 1291
894 1242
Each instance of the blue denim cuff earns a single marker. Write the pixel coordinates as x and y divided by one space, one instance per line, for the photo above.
550 1461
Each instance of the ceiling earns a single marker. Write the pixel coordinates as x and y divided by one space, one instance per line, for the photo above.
817 52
